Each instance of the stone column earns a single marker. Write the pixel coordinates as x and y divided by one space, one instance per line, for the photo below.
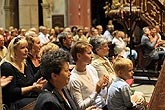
46 14
8 17
28 13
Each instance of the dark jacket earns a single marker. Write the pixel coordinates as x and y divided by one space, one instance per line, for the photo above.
50 99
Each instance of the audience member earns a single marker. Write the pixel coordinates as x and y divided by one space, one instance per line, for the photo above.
49 47
108 33
99 61
22 33
33 52
120 46
149 47
3 49
23 89
85 86
65 40
74 30
120 96
43 35
5 80
55 95
100 30
80 36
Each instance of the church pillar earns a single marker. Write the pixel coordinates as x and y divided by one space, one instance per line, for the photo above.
8 17
28 13
46 13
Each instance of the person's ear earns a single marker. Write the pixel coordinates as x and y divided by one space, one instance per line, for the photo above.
78 55
97 49
53 76
119 72
63 40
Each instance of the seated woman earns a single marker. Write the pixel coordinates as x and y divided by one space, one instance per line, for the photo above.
85 86
33 52
22 88
120 46
99 61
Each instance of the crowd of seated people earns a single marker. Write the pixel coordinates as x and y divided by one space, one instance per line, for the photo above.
92 72
152 50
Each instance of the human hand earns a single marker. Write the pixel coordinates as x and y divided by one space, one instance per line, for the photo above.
137 97
39 84
5 80
93 107
103 81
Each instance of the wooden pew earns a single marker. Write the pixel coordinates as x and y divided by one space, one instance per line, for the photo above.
157 101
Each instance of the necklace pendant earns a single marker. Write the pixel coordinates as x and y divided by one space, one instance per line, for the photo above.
24 75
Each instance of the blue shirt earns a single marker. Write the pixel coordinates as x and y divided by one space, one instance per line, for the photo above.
119 95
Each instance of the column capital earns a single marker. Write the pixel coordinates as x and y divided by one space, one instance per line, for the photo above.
45 5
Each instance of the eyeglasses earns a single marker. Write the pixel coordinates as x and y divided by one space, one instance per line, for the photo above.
16 40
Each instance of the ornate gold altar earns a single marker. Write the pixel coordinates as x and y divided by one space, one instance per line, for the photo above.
151 12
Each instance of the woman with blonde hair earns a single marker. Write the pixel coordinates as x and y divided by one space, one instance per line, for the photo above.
33 52
23 89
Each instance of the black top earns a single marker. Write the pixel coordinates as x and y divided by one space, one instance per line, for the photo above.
36 70
50 99
12 92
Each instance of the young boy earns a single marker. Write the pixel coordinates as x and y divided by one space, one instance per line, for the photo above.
119 93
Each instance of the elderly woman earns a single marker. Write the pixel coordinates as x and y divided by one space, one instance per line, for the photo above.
23 88
99 61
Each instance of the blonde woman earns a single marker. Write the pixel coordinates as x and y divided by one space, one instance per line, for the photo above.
22 88
33 52
85 86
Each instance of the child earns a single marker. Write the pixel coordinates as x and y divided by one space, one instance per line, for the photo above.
119 93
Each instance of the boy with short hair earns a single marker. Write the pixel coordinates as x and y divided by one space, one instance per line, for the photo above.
119 93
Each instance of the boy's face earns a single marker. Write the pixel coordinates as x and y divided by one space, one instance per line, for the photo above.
127 73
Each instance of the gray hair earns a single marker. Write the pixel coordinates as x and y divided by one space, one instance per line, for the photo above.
97 42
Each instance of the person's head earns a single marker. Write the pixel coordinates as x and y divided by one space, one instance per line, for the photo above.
68 29
152 30
80 32
2 31
157 27
55 67
2 40
95 32
114 34
22 31
65 39
110 22
120 34
110 28
33 42
99 29
85 30
34 30
43 29
82 52
123 68
49 47
17 50
146 30
100 46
